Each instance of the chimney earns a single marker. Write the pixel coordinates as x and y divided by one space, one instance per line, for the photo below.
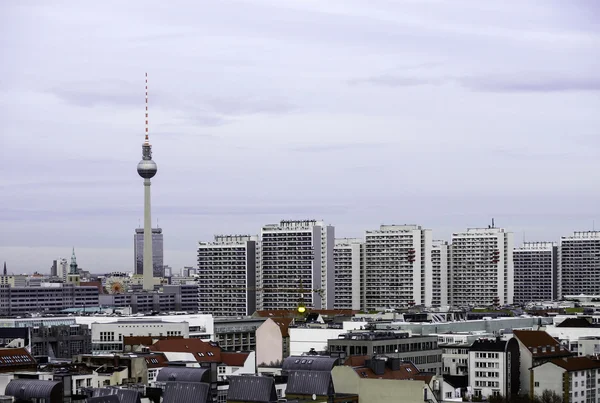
378 366
115 360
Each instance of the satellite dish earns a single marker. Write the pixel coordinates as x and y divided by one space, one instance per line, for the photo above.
314 397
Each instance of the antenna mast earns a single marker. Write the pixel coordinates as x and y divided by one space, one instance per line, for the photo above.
146 140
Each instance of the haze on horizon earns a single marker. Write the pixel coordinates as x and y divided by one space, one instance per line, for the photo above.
444 114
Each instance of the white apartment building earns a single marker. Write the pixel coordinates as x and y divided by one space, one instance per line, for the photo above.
579 264
348 262
481 267
535 272
455 351
108 337
574 379
398 267
227 275
296 263
439 269
494 367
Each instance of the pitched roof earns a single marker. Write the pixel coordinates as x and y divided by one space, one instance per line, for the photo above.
541 344
124 395
202 351
576 363
178 392
183 374
319 383
488 345
457 381
284 325
234 359
407 371
309 363
33 388
259 389
156 360
575 322
11 358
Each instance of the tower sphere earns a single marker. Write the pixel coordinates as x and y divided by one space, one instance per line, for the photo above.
147 169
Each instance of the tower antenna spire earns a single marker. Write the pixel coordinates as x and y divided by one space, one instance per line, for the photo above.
146 138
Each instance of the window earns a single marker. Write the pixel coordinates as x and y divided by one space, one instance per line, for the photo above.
536 384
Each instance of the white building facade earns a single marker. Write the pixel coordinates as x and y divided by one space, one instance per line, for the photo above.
481 267
227 275
536 266
348 262
439 269
579 264
398 267
296 264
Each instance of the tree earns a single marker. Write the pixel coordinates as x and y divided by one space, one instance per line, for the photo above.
549 396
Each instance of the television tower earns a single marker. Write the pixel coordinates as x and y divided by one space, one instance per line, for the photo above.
147 169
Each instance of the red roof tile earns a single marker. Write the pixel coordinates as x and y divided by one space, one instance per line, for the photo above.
407 371
15 358
234 359
576 363
284 325
202 351
541 344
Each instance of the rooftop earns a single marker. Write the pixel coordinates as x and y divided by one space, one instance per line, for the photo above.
541 344
576 363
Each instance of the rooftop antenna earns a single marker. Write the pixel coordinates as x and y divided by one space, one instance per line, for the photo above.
493 226
146 139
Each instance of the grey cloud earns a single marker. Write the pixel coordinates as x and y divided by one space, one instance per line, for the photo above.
530 154
397 81
531 82
336 147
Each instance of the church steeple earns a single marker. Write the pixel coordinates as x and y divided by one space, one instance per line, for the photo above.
73 266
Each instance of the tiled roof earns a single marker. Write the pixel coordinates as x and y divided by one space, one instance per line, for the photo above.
310 363
234 359
541 344
202 351
156 361
259 389
319 383
183 392
576 363
15 357
124 395
284 325
27 389
183 374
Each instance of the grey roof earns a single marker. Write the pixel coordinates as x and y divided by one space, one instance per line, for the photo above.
33 388
124 395
309 363
183 374
308 383
260 389
188 392
103 399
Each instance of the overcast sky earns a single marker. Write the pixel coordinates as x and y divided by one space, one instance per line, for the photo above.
439 113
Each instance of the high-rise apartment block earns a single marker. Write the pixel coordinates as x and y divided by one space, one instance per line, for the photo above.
481 267
227 275
535 272
579 264
398 267
296 264
348 259
157 252
440 251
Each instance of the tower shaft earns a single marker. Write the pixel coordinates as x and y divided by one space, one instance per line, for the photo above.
148 277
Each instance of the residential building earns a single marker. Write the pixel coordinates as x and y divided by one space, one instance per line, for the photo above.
273 342
182 297
536 266
348 259
62 341
384 380
579 264
157 252
481 267
109 337
227 275
423 351
398 267
297 265
237 334
574 379
494 368
536 347
439 270
48 298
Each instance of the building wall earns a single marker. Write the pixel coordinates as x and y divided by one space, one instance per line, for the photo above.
481 267
347 257
439 277
107 337
226 275
579 261
535 272
51 299
346 380
547 377
303 339
157 252
269 343
397 267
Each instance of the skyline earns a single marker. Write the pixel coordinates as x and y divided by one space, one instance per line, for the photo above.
401 112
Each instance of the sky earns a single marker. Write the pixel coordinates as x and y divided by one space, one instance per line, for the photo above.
444 114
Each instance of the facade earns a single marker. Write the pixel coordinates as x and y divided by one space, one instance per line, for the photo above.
575 379
237 334
439 270
494 368
157 252
170 298
297 265
273 342
579 264
422 351
348 259
108 337
398 267
481 267
536 265
52 298
62 342
227 275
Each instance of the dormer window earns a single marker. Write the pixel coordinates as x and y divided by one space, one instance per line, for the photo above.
535 350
